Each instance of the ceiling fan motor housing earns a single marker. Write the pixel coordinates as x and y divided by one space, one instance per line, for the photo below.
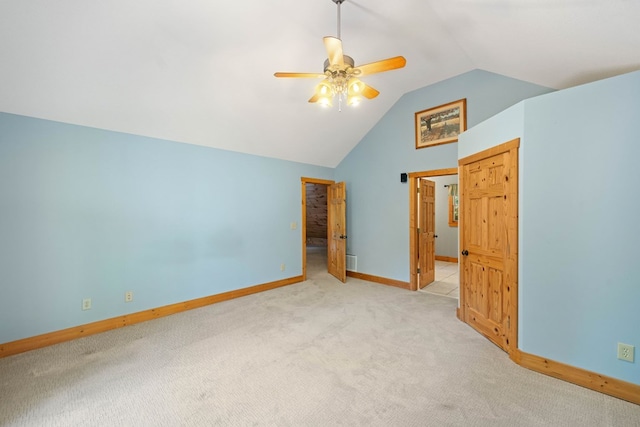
348 63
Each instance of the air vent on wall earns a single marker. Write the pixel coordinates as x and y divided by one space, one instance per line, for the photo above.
352 263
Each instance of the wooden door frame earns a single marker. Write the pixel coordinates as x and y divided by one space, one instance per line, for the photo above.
413 220
303 228
513 230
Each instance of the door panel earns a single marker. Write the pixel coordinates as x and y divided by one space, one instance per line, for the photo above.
337 231
488 240
426 234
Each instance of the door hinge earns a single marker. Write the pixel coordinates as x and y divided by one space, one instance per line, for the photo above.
418 271
418 229
417 189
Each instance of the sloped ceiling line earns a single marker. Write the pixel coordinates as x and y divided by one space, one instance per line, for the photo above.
202 72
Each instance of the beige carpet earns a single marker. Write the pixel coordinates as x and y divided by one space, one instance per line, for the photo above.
319 353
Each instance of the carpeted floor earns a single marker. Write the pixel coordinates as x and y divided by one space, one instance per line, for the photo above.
318 353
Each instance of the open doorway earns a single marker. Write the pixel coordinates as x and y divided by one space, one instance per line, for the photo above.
316 215
336 226
446 279
433 232
315 193
315 211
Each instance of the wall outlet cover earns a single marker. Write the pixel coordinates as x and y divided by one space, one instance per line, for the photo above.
626 352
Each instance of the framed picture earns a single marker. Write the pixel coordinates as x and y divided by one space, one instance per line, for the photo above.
441 125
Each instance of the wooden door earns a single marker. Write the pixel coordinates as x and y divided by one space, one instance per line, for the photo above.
337 231
426 233
488 243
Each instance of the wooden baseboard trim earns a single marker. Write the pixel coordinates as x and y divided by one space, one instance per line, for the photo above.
446 259
378 279
44 340
591 380
459 314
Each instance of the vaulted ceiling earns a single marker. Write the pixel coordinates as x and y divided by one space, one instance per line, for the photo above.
201 72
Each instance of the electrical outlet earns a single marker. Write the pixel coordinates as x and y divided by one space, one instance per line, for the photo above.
128 296
282 267
626 352
86 304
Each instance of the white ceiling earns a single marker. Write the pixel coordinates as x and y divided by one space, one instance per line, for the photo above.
201 72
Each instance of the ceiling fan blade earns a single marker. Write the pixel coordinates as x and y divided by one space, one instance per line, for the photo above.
314 98
303 75
334 50
369 92
383 65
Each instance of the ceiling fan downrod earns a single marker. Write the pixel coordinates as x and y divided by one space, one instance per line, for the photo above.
340 80
338 2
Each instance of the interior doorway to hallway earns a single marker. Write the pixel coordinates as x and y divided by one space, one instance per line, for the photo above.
316 215
336 222
314 196
314 229
441 254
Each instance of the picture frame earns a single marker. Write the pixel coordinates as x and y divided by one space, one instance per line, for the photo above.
441 125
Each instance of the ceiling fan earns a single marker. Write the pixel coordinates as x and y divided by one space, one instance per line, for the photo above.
341 76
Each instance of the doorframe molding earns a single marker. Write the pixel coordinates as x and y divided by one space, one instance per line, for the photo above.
303 228
413 221
511 269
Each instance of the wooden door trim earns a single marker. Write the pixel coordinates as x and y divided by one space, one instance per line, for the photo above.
303 228
446 258
582 377
378 279
512 230
413 220
87 329
490 152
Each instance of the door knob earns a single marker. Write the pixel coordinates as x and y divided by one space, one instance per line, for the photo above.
435 235
342 236
465 252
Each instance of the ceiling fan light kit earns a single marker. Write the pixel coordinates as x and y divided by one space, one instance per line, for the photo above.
341 75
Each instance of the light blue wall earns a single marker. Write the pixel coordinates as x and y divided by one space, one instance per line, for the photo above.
579 284
377 203
92 213
505 126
